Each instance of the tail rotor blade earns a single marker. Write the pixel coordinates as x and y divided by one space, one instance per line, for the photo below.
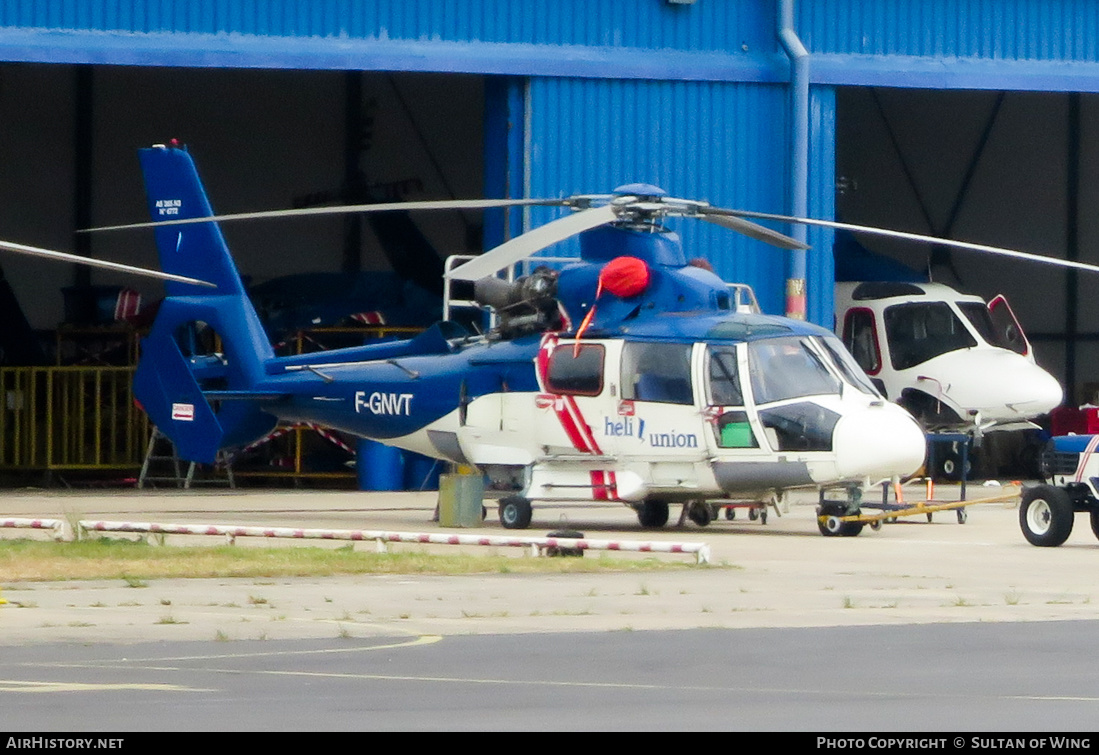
521 247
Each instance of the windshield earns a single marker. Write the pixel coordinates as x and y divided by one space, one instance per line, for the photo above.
785 368
921 331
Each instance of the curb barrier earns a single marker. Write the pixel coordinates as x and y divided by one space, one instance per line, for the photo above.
537 545
57 525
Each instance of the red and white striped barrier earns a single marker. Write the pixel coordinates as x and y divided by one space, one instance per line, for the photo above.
537 545
284 429
57 525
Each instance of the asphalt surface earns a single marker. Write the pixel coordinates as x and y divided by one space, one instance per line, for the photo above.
779 574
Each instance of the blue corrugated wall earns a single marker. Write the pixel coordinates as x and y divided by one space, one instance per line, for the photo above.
652 24
1036 45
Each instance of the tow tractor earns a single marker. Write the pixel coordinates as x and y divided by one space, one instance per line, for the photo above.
1070 469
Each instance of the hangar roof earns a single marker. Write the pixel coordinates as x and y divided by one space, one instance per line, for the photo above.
971 44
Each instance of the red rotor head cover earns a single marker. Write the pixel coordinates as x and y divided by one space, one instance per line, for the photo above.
624 277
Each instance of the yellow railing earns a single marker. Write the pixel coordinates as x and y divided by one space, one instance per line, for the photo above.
85 418
77 418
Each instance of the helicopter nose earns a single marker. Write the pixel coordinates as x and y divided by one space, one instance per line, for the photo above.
1003 386
1027 390
879 441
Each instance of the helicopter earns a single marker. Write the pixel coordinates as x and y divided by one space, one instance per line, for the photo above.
960 365
953 360
628 375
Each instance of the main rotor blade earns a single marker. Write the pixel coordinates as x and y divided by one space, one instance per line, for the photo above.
752 230
441 204
76 258
524 246
919 237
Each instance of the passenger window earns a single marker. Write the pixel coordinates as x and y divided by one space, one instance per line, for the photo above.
861 339
580 374
658 372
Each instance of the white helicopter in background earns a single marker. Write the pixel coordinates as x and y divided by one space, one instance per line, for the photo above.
958 364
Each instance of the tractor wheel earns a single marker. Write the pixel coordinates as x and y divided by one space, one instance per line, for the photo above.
1045 515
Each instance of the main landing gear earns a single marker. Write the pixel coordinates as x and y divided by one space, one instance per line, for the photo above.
652 514
515 512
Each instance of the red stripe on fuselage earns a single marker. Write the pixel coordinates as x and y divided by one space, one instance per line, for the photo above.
603 484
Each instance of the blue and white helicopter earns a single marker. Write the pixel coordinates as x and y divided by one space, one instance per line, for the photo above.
626 376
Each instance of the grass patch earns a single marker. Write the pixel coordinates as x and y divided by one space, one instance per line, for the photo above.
137 561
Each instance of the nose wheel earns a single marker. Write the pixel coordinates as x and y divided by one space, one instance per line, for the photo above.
830 523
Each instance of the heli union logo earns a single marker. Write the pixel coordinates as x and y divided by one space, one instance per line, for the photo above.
634 427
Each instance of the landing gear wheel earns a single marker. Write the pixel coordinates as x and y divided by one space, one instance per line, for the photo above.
653 514
699 512
515 512
930 516
1095 523
1045 515
753 514
730 513
763 516
833 526
962 516
875 525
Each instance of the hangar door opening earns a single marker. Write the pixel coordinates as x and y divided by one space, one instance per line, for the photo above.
262 139
1013 169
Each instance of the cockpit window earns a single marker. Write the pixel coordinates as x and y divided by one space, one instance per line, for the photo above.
979 318
725 378
785 368
921 331
658 372
1008 332
847 366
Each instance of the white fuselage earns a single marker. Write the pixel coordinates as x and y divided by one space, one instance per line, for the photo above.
681 421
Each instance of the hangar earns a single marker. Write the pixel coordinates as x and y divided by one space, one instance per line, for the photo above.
954 117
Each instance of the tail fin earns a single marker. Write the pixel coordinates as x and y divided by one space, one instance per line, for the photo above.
175 192
172 374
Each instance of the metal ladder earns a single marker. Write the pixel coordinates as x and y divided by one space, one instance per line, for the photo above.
154 454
